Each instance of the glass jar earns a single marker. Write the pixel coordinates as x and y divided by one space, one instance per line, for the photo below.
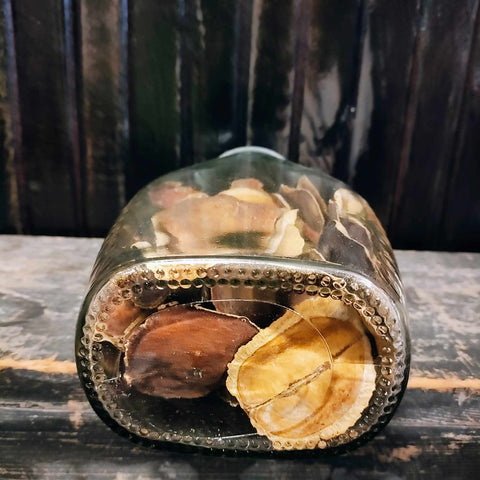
246 303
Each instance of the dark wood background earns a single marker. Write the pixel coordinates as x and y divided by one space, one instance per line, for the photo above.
99 97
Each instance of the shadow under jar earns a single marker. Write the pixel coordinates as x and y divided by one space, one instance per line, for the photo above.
246 303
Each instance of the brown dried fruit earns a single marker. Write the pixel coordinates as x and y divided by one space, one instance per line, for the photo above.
286 240
308 208
183 352
247 183
120 317
168 194
249 190
337 246
296 390
221 222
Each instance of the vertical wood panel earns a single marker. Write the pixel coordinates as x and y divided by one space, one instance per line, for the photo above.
217 76
273 71
105 113
71 104
332 75
154 113
15 184
302 20
460 228
187 45
418 202
40 50
242 68
9 204
393 36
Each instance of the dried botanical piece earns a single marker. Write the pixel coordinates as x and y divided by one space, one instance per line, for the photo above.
337 245
351 204
120 317
249 190
286 241
168 194
183 352
305 379
309 209
222 222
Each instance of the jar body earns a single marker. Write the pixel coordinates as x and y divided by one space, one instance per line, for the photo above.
249 304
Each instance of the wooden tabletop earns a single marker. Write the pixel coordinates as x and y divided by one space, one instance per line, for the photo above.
48 430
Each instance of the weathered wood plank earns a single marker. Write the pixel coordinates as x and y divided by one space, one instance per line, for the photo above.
393 30
154 107
271 73
13 162
445 41
9 206
304 79
104 26
47 429
216 24
46 148
460 228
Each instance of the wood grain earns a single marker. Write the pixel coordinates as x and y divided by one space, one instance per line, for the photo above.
448 27
460 228
393 33
154 103
46 149
47 429
99 98
104 110
9 205
217 76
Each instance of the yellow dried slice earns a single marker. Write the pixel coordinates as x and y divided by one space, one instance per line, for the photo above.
286 240
305 379
250 195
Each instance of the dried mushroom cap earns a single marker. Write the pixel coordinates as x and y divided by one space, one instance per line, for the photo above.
183 352
222 221
309 210
305 379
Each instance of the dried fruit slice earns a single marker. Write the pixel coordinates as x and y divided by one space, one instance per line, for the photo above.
120 317
305 379
250 195
168 194
221 222
309 209
183 352
286 240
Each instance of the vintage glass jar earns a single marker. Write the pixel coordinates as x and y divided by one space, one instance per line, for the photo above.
246 303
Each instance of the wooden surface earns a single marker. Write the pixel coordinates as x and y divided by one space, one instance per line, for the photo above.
47 429
99 98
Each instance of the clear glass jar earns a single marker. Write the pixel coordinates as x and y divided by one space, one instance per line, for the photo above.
246 303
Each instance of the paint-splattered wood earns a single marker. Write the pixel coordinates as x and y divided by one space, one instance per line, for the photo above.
47 429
